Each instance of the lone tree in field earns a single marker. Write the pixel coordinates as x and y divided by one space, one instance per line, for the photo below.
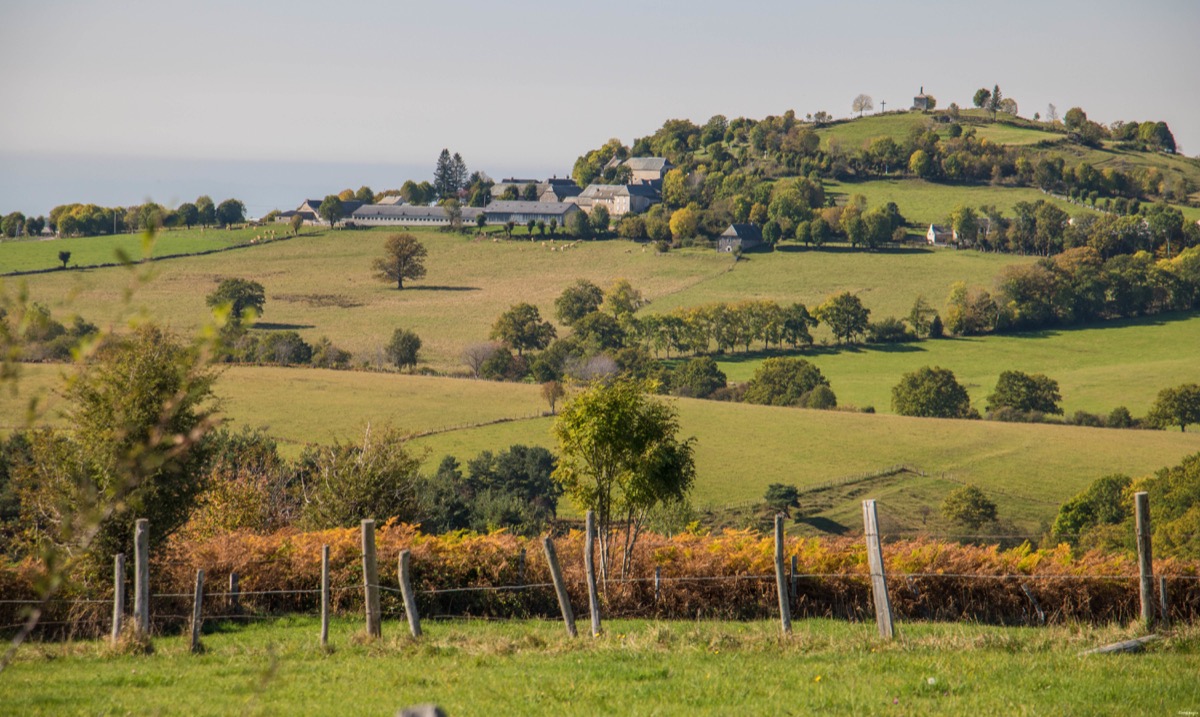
782 498
862 103
1179 406
931 393
331 209
64 257
402 349
1026 393
577 301
620 455
552 391
242 296
296 222
403 258
968 507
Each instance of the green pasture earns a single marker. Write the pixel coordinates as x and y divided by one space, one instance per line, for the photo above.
531 667
923 203
859 132
34 254
323 285
887 282
740 448
1098 367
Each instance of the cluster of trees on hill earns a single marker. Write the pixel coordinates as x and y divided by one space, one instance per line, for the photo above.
93 220
1102 516
1076 286
721 165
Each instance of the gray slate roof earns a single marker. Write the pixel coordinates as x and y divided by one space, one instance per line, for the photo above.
648 164
400 212
523 207
745 232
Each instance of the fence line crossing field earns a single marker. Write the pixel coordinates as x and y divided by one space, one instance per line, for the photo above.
635 667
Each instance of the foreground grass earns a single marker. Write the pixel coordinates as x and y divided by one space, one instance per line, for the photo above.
636 667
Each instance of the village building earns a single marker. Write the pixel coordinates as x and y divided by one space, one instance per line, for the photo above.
555 189
648 170
404 215
391 200
521 212
310 210
940 234
739 237
923 101
618 199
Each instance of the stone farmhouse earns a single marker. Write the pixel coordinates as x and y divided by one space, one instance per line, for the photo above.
521 212
739 237
555 189
618 199
648 170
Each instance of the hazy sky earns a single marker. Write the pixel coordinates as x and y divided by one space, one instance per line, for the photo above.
526 86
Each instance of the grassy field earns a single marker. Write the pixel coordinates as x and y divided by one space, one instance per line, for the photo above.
323 285
33 254
923 203
898 125
635 667
741 449
1098 367
1030 469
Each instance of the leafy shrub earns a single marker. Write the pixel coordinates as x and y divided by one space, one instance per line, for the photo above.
347 482
889 331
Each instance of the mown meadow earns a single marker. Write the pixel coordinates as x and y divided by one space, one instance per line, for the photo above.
635 667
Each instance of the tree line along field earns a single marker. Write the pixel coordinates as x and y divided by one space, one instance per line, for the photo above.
39 254
1098 367
323 285
635 667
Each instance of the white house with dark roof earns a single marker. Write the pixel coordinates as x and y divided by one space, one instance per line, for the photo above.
940 234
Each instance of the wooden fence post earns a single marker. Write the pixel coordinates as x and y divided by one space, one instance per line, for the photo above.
370 579
1141 503
521 568
118 595
141 575
324 596
883 604
410 599
795 580
1164 607
785 609
657 583
235 602
197 598
589 565
560 587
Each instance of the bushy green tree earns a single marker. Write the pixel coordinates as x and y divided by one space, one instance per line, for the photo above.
522 328
845 316
230 211
697 378
931 392
1178 406
578 300
969 507
345 483
620 455
139 413
245 299
403 347
331 209
1027 393
1102 503
782 498
782 381
403 258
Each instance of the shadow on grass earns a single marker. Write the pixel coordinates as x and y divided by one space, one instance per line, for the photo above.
269 326
846 249
825 525
1164 319
441 288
